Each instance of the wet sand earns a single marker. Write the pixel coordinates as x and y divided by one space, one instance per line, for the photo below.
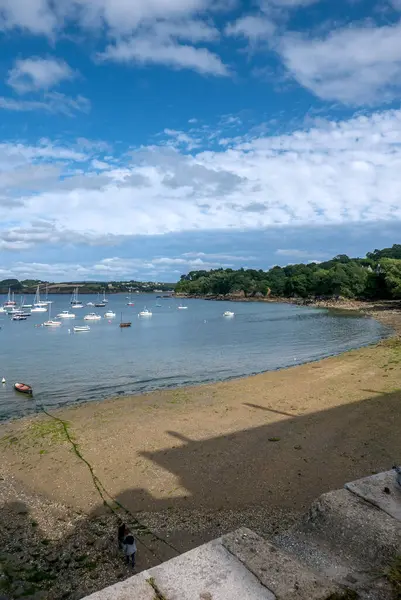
192 463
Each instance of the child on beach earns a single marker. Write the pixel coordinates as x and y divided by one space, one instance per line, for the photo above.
129 548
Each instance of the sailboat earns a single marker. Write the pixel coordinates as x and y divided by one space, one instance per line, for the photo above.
75 303
38 306
99 302
129 298
51 323
10 300
124 324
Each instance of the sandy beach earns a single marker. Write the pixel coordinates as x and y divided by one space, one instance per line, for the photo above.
191 463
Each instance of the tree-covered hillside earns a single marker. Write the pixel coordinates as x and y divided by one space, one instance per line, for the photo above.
378 276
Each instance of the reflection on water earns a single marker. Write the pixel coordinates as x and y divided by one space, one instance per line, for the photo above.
173 347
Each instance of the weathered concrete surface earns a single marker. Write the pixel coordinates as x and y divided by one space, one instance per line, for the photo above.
134 588
286 577
380 490
353 529
209 572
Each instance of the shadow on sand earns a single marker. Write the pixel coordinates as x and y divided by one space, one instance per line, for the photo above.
280 466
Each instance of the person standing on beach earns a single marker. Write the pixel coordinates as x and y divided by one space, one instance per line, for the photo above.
129 548
122 528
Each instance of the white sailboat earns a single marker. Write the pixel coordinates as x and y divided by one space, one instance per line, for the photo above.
38 306
145 313
75 302
50 322
181 307
10 300
228 314
99 301
109 314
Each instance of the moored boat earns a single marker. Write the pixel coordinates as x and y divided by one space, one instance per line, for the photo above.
75 302
92 317
51 323
78 328
228 313
109 314
66 314
23 388
145 313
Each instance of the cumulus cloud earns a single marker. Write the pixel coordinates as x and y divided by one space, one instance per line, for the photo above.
253 27
355 64
151 50
108 268
36 73
144 32
336 172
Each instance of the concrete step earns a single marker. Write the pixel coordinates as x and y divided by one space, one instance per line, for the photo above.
281 573
350 530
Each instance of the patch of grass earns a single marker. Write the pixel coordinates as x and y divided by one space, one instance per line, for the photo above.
393 343
393 575
274 439
48 430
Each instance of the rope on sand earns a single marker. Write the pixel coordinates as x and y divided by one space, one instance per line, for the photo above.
106 496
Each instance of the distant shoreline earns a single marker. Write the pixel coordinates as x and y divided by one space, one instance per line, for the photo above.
377 309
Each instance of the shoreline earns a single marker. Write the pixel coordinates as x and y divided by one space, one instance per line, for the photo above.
194 462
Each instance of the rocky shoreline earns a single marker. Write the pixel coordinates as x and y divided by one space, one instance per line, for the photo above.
388 312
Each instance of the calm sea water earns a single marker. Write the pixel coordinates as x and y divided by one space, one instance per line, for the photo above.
173 348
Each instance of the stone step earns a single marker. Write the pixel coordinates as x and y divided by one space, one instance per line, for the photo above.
349 530
281 573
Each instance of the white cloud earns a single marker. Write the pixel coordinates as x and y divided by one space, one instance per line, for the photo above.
355 65
294 253
35 73
150 50
145 32
32 15
190 29
106 268
180 138
333 173
119 16
252 27
52 102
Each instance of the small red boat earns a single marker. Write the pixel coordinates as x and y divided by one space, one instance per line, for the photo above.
23 388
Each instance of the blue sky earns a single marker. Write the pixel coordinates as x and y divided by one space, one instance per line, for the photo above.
142 139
